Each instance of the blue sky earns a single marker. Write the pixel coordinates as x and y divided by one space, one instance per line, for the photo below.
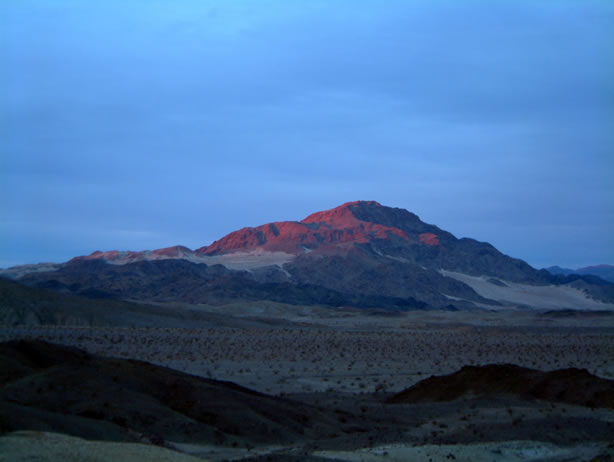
143 124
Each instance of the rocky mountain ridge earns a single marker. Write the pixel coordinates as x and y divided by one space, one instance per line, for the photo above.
602 271
360 254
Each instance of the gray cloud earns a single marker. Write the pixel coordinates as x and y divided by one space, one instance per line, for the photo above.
193 118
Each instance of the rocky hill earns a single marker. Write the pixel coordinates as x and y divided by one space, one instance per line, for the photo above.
572 386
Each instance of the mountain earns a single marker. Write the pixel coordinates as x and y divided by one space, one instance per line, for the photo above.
361 226
605 272
360 254
370 228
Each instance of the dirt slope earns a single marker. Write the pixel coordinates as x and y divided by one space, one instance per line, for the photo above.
572 386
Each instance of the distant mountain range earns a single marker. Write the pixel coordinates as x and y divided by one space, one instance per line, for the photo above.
603 271
360 254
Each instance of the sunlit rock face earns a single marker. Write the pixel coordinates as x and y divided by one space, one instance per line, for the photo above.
331 228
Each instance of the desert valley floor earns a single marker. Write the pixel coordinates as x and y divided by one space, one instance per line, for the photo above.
349 363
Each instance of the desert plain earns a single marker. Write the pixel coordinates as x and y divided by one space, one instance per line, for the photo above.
347 363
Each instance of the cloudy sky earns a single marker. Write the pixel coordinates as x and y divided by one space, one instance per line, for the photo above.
139 124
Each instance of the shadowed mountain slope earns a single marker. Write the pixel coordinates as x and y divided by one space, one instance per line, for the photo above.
29 306
183 281
605 272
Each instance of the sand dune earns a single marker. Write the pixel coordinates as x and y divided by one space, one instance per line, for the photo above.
510 294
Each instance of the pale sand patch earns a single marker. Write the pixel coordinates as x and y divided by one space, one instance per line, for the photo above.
248 260
543 297
223 453
235 261
509 451
51 447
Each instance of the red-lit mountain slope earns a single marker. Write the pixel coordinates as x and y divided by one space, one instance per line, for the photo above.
357 222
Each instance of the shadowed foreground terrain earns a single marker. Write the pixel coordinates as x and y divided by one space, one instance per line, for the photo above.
65 390
572 386
50 387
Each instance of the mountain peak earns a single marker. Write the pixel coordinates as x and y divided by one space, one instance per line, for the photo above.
335 229
341 213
